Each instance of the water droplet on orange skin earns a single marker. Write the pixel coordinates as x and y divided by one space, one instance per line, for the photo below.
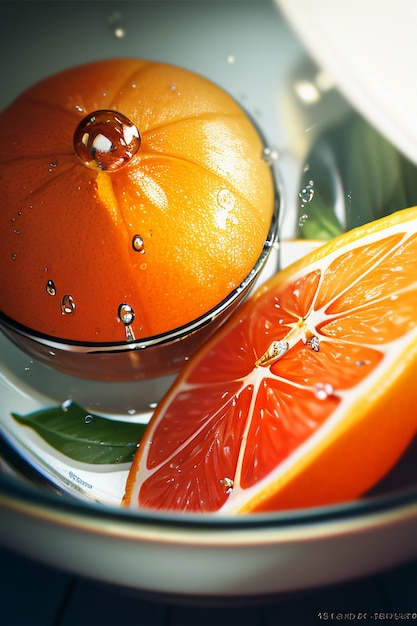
50 288
126 314
67 305
138 244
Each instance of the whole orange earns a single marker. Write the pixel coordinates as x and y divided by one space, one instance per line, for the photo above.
133 194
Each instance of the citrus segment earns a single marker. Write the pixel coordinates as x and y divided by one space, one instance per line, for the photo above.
101 155
306 397
346 270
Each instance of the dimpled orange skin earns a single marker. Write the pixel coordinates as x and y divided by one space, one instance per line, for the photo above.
197 192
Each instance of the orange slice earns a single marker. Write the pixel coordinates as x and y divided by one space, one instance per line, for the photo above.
307 396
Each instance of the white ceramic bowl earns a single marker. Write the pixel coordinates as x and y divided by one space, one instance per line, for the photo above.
201 558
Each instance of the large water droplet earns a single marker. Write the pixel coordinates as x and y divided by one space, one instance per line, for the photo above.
106 140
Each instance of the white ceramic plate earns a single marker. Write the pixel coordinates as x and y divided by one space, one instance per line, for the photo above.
369 48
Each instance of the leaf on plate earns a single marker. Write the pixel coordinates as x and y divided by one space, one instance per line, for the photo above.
358 176
84 436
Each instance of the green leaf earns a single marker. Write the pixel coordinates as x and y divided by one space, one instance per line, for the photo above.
84 436
371 171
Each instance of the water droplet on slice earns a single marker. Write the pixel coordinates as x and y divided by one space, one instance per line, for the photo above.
88 419
138 244
228 483
106 140
314 343
303 219
323 390
67 305
276 350
50 288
